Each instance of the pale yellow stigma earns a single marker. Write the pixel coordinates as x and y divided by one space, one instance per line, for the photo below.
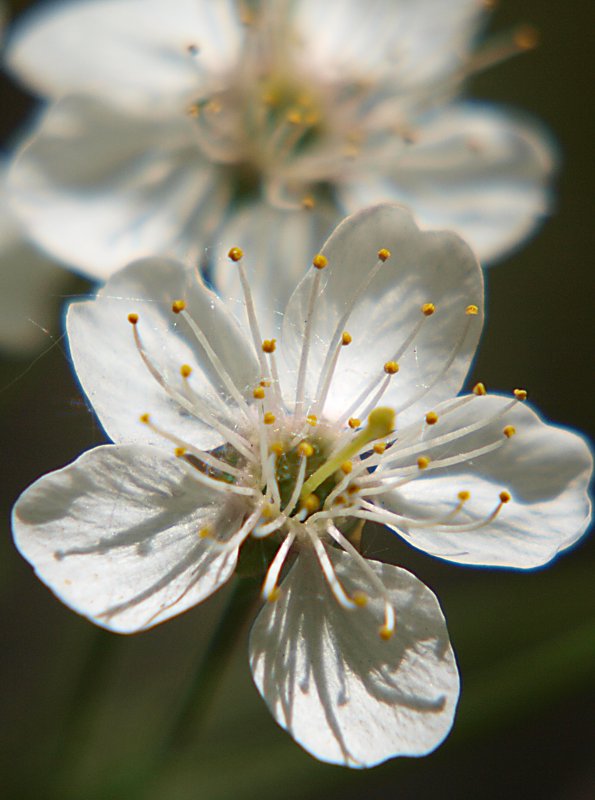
178 306
133 318
305 449
269 418
258 393
269 345
509 431
346 338
185 370
428 309
520 394
472 310
384 254
235 254
423 462
319 261
391 367
431 418
479 389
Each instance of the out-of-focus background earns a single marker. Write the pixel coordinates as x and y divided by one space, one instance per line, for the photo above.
81 708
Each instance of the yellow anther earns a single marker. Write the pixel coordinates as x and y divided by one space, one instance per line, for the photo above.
360 599
133 318
294 116
274 594
204 533
179 452
312 419
353 489
509 431
185 370
258 393
319 261
346 467
193 110
520 394
340 500
305 449
391 367
472 311
464 496
177 306
277 448
265 384
431 418
269 418
479 389
428 309
379 448
505 497
269 345
236 254
354 422
311 503
145 419
423 462
384 254
308 202
386 633
346 338
526 37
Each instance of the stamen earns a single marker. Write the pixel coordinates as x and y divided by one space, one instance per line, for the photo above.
236 255
329 572
520 394
319 262
269 588
431 418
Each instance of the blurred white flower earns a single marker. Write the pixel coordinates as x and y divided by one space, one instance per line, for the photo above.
171 120
223 438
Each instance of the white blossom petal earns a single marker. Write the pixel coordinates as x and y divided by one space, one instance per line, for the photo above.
134 53
344 694
113 374
115 536
278 247
545 469
473 169
433 267
98 188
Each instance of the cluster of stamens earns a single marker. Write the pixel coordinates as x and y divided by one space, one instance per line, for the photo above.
309 481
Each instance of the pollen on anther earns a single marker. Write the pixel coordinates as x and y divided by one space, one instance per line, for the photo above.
269 418
204 533
472 310
235 254
360 599
431 418
305 449
479 389
145 419
384 254
423 462
509 431
464 496
428 309
346 338
265 384
185 370
391 367
178 305
179 452
133 318
354 422
308 202
505 497
274 594
319 261
312 419
386 633
379 448
269 345
346 467
258 393
520 394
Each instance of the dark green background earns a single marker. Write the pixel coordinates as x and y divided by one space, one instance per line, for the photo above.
525 641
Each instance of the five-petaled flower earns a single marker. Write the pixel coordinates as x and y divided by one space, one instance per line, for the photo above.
226 434
220 121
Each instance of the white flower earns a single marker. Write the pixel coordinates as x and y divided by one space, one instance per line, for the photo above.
169 120
227 434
